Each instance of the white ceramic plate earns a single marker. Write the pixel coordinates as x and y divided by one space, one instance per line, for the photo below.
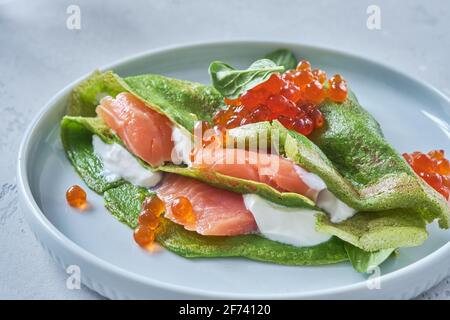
413 115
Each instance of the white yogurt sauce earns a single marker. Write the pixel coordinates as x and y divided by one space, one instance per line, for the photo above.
294 226
336 209
119 163
311 179
181 152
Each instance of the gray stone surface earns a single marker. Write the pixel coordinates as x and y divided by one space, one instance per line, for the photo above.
39 55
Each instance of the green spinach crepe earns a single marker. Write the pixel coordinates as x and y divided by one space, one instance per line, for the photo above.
349 154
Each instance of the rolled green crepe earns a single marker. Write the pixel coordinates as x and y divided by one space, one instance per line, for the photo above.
349 154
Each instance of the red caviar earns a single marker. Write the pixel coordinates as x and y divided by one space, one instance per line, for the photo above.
76 197
433 168
320 75
143 235
293 98
153 205
304 65
337 88
182 210
148 220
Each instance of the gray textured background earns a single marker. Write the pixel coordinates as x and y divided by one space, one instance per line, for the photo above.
39 56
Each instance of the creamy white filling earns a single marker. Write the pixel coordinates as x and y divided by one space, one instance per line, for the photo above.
336 209
312 180
181 152
119 163
294 226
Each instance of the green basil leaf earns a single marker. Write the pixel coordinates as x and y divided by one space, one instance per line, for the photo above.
365 261
231 83
283 57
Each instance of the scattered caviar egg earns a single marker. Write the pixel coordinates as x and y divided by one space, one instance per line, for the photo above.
182 210
293 98
320 75
437 154
285 121
143 235
304 65
76 197
154 205
317 118
149 219
303 125
443 167
314 92
337 88
433 168
302 78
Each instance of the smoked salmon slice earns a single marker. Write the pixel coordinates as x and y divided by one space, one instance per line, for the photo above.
145 132
218 212
278 172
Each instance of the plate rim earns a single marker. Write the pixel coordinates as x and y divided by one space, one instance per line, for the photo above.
29 204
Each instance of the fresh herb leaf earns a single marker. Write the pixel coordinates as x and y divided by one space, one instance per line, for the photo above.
365 261
231 83
283 57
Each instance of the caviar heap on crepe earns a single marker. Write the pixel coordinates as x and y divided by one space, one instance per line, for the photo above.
432 167
331 190
293 98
